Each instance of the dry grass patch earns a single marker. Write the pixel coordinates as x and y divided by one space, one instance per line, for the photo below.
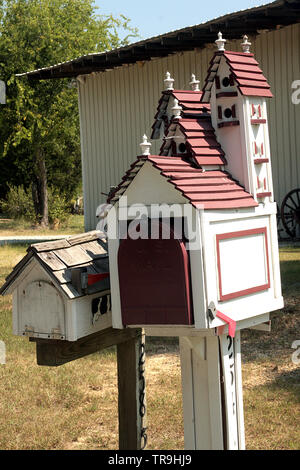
75 406
15 227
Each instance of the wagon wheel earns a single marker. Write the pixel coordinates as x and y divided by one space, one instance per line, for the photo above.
290 212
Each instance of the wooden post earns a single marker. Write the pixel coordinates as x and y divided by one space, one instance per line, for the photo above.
212 393
233 393
131 383
202 407
51 352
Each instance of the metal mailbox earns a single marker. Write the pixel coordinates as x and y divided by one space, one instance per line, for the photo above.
61 289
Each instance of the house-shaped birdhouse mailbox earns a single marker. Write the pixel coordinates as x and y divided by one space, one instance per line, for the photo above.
60 289
192 231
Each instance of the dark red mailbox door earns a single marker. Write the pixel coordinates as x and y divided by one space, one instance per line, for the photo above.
154 282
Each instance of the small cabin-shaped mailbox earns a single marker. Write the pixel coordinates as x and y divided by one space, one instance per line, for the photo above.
60 289
213 174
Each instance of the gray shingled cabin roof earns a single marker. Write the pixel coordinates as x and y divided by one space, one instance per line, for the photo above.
60 257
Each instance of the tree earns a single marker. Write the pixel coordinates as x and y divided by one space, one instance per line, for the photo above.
39 126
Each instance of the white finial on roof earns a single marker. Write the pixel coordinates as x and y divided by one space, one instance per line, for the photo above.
246 44
169 81
220 42
145 146
176 110
194 83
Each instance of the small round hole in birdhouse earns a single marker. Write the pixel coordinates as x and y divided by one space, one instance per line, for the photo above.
182 147
228 113
226 82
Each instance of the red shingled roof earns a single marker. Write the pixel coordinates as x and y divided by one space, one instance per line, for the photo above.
245 71
187 99
210 189
205 151
203 144
204 189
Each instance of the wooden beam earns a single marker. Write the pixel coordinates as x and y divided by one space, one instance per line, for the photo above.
131 384
283 14
57 352
169 48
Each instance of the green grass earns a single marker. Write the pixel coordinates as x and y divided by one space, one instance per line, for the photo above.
10 227
75 406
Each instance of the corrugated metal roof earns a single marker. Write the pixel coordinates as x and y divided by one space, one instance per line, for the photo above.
233 25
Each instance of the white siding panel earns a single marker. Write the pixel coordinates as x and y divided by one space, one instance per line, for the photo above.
117 108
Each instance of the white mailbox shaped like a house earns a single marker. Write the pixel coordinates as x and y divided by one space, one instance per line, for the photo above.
208 200
60 289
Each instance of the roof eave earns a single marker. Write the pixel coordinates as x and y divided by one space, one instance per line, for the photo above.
269 16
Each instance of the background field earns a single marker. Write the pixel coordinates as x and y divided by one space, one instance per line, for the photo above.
75 406
13 227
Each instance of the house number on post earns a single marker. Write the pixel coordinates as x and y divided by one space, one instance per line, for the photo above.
229 374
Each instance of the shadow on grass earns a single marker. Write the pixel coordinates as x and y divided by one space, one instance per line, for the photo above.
291 380
290 277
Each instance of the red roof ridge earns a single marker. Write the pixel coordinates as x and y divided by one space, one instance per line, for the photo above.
247 54
239 63
220 194
182 91
190 102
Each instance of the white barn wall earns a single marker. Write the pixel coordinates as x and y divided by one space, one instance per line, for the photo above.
117 108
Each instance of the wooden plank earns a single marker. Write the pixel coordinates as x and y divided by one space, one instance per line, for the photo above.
83 237
202 409
49 246
73 256
201 401
70 290
94 249
63 276
131 385
230 397
57 352
239 390
51 260
214 390
187 394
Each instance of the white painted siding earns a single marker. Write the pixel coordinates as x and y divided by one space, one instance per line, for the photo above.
117 108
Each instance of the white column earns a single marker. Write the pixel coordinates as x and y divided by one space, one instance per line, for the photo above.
201 390
206 363
233 394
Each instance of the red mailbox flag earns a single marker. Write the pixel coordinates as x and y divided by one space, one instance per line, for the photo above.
231 324
93 278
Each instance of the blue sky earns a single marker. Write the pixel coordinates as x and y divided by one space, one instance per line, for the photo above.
156 17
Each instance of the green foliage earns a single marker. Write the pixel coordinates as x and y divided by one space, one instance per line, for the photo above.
59 210
43 115
18 205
